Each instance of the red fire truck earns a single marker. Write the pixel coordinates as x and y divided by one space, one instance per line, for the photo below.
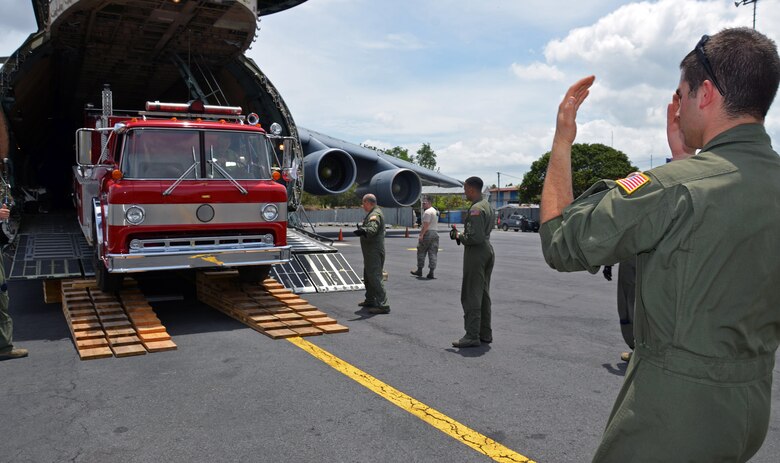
181 186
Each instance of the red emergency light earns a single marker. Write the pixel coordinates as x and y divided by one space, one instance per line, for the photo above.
195 107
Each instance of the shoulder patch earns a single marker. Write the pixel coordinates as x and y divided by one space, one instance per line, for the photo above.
633 182
474 212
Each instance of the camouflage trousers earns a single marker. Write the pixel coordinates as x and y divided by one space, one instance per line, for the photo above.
428 246
6 324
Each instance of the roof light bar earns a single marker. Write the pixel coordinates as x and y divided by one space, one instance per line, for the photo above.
195 106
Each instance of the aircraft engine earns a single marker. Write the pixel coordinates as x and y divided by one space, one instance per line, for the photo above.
394 187
328 172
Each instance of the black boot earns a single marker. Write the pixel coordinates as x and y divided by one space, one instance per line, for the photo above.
430 275
417 272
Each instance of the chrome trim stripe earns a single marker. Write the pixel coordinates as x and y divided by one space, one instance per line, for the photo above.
125 263
186 214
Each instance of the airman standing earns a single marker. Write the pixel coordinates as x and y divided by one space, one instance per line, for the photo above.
372 243
478 260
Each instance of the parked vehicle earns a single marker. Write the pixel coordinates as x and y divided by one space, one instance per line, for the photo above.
519 222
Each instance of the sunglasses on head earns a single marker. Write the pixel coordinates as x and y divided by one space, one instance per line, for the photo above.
700 53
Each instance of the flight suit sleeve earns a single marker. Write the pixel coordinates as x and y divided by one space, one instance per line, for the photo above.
372 225
474 229
606 225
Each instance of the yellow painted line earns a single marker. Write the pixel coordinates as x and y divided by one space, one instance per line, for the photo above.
438 420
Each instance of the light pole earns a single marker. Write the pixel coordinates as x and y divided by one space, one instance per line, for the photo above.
748 2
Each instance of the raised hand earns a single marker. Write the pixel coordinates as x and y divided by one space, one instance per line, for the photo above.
566 126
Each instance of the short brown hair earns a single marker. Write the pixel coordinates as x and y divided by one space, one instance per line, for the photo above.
746 66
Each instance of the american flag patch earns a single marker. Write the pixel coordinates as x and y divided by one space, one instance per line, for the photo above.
474 212
633 182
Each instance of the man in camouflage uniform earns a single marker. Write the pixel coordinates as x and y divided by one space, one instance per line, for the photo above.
7 349
372 243
699 385
478 259
428 240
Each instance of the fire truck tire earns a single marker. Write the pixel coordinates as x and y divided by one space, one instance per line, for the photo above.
106 281
254 273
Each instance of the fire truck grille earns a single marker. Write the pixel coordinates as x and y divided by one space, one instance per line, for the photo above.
201 243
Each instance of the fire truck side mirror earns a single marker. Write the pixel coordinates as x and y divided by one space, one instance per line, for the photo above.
84 147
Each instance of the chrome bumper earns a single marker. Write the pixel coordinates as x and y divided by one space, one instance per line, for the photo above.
201 258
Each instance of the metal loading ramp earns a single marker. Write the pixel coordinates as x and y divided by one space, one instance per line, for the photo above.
316 266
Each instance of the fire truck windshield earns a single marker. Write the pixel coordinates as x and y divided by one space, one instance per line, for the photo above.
169 153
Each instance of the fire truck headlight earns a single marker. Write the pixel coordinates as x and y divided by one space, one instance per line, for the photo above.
135 244
135 215
268 239
270 212
276 128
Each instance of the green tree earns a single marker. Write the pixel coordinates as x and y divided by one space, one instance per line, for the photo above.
400 153
426 157
590 163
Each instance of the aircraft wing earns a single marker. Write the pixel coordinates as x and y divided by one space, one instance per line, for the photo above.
331 166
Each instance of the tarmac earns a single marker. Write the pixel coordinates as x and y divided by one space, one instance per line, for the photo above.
543 389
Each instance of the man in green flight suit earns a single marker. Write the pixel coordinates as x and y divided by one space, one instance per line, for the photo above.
372 243
478 259
698 387
7 349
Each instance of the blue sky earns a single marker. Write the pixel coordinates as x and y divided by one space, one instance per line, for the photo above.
479 81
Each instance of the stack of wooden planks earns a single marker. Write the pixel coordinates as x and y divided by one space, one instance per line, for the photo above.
268 308
105 325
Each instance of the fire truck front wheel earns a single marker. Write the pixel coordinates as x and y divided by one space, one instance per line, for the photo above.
253 273
106 281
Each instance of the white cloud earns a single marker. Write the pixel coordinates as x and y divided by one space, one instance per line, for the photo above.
537 71
394 42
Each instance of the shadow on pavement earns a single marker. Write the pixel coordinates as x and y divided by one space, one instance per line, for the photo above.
470 351
617 370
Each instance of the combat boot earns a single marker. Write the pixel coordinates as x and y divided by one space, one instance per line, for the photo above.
417 272
466 342
430 275
365 304
15 353
379 310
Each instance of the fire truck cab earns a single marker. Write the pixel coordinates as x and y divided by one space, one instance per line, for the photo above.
181 186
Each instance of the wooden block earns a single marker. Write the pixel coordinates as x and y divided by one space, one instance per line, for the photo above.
297 323
304 307
312 314
323 321
263 318
83 319
279 310
150 329
271 325
90 343
91 334
127 351
119 332
288 316
308 331
87 326
154 337
116 324
282 291
284 297
95 353
281 333
333 328
147 322
52 291
160 346
124 341
295 302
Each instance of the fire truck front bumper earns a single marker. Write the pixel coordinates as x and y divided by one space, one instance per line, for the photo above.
177 260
